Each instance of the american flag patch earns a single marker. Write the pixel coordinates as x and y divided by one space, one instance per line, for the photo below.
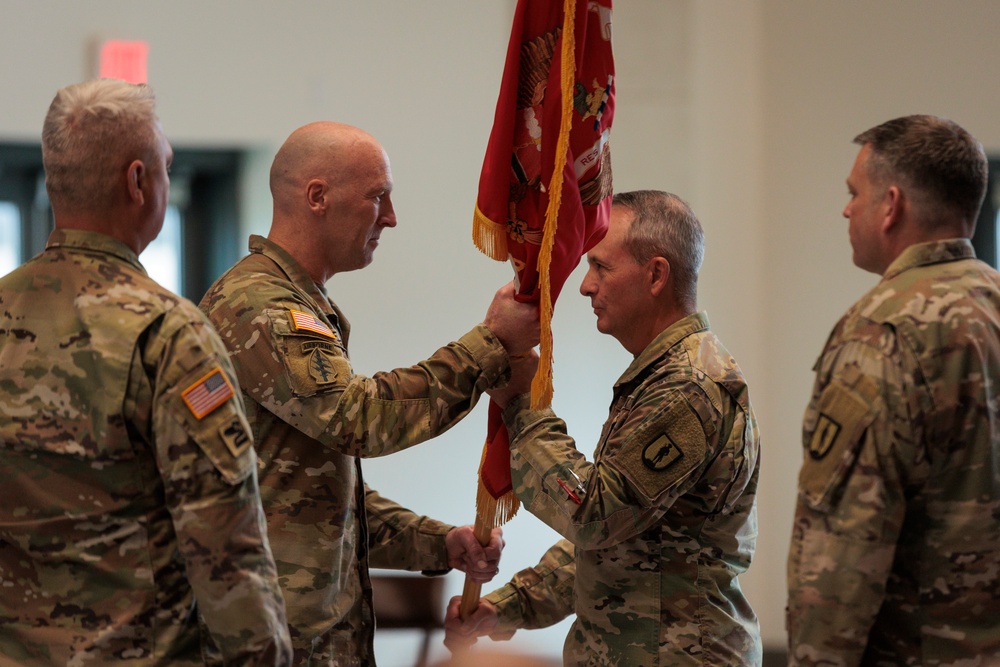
208 393
306 322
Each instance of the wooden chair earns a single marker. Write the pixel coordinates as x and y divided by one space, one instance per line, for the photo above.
409 602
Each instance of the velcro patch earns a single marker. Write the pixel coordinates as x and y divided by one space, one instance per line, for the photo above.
302 321
662 450
323 365
208 393
843 416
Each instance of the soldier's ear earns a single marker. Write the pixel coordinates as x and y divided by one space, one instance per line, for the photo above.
135 178
658 275
316 195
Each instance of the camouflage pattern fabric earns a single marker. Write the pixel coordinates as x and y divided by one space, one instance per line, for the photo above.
312 419
895 555
119 507
658 527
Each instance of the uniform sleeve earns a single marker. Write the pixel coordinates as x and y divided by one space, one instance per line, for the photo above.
650 454
292 361
859 438
208 466
539 596
399 539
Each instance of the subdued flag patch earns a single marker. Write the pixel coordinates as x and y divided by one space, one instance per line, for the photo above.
306 322
208 393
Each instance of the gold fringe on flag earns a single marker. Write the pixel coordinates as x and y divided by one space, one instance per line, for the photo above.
489 236
541 385
491 239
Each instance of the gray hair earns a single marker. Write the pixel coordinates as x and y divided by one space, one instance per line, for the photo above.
665 226
92 131
940 161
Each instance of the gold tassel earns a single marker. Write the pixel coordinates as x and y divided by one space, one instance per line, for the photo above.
492 511
541 385
489 236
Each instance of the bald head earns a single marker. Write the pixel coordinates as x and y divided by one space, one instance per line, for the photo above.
330 183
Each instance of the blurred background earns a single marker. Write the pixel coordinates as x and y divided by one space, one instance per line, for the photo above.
746 108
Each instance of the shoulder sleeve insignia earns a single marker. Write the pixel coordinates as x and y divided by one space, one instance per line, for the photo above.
208 393
832 443
661 451
302 321
235 436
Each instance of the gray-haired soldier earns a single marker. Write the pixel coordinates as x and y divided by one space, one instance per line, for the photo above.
895 555
129 509
659 527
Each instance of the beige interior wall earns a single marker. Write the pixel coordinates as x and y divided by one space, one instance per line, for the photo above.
746 108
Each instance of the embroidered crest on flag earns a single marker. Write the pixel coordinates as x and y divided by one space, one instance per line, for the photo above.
306 322
208 393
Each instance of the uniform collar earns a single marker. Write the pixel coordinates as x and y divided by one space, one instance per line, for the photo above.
667 338
933 252
290 266
95 241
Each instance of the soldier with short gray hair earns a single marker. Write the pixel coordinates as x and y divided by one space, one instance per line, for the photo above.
661 524
130 518
895 554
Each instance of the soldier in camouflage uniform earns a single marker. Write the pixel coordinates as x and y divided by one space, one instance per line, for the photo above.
313 418
659 526
895 555
128 493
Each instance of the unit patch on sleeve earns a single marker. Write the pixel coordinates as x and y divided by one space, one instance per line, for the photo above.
661 453
662 450
235 436
305 322
325 362
824 436
208 393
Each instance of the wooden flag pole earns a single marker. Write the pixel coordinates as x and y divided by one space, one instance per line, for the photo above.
472 589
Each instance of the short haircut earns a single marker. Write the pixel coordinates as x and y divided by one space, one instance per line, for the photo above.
934 156
665 226
92 131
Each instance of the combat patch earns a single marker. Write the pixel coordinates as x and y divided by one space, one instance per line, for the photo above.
662 450
843 415
302 321
208 393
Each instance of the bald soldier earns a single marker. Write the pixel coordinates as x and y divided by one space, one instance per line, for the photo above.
128 487
314 419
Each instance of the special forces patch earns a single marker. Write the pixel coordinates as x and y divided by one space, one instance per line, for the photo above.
323 361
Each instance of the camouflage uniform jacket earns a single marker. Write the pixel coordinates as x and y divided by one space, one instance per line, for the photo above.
127 477
313 419
659 526
895 555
